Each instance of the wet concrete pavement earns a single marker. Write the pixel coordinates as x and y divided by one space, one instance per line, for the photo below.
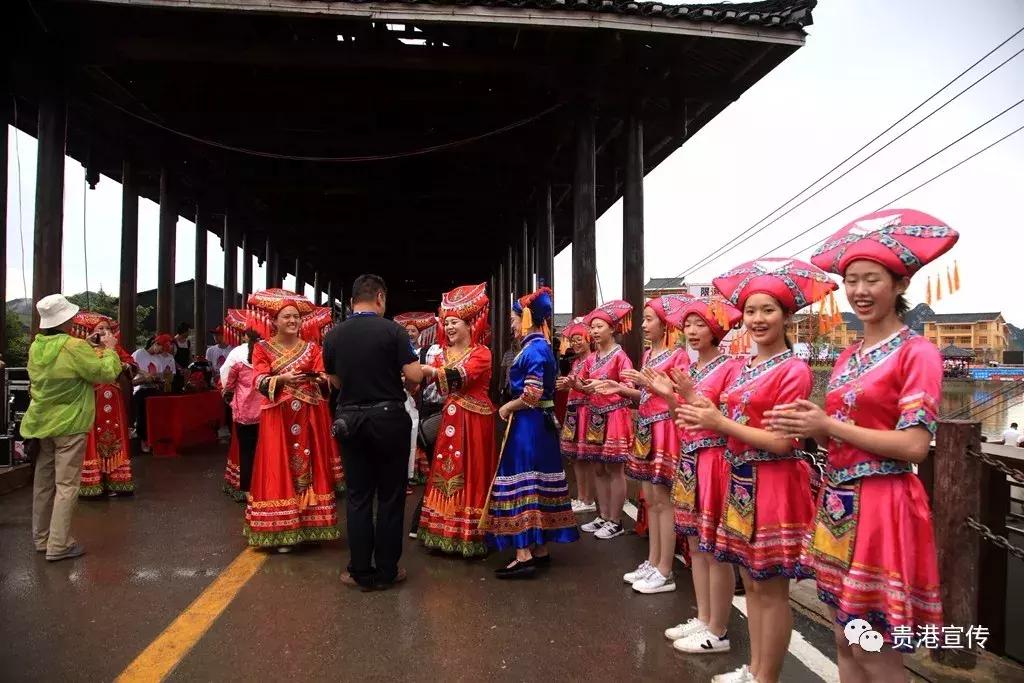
150 556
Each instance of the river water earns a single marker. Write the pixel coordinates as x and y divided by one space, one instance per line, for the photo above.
995 404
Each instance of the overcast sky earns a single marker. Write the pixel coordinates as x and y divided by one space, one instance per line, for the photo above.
866 62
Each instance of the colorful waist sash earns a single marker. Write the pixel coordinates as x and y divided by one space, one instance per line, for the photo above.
870 468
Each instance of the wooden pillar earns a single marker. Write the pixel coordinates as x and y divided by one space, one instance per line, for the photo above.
230 266
973 572
199 291
247 254
127 291
165 254
331 298
270 259
3 238
301 276
525 275
49 220
318 294
633 235
545 239
501 315
584 205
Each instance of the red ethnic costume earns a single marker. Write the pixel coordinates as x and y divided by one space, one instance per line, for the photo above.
576 398
107 466
702 479
768 505
465 454
604 424
872 547
297 465
655 455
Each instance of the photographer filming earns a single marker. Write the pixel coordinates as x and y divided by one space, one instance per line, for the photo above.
62 371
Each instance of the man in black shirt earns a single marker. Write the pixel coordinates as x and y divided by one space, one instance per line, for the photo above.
366 357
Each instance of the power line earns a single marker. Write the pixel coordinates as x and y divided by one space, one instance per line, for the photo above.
996 395
896 199
905 172
21 222
725 248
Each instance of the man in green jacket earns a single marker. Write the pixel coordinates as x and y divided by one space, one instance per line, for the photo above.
62 371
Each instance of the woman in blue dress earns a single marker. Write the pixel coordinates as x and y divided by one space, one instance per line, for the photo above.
529 504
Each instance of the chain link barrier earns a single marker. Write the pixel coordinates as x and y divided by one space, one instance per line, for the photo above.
1016 475
995 539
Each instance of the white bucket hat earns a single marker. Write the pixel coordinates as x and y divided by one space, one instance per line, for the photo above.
54 311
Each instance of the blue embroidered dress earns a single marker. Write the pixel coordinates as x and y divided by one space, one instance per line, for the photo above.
529 501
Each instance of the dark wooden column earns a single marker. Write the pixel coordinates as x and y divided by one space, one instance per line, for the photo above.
199 291
127 291
3 238
165 254
331 298
545 239
584 209
230 299
247 254
301 276
633 234
318 294
49 231
524 274
269 259
499 302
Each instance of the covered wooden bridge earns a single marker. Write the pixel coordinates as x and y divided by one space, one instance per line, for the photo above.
433 142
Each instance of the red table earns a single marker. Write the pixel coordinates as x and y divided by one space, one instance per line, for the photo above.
180 420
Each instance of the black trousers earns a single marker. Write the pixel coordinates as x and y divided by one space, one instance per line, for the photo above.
139 402
247 437
376 459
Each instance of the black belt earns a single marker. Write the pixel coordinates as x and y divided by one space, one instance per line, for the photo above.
372 406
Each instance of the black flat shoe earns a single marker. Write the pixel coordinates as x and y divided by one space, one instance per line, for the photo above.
517 570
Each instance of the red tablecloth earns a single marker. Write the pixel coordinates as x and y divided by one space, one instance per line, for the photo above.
183 420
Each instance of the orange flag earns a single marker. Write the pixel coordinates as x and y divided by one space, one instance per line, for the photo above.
938 288
956 275
949 281
928 294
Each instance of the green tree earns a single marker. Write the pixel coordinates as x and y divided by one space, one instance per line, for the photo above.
16 353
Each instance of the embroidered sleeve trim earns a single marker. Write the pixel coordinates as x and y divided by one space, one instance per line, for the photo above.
918 409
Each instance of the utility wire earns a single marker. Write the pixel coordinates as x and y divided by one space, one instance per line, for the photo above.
896 199
21 222
722 250
908 170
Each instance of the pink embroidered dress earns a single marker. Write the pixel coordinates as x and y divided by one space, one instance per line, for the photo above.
568 441
604 431
655 454
702 479
768 506
872 547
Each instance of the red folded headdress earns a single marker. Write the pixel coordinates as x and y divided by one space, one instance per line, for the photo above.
423 321
266 304
715 311
616 313
902 240
793 283
235 323
569 331
469 303
84 322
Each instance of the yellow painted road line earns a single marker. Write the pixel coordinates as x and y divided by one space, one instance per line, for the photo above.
170 647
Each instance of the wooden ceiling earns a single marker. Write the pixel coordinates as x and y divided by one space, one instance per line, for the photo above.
442 135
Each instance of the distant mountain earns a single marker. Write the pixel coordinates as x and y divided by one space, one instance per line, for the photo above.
1016 335
916 315
21 308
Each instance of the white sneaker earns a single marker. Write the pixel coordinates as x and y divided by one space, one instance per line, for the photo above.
704 643
578 506
594 526
656 583
679 631
740 675
609 530
641 572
